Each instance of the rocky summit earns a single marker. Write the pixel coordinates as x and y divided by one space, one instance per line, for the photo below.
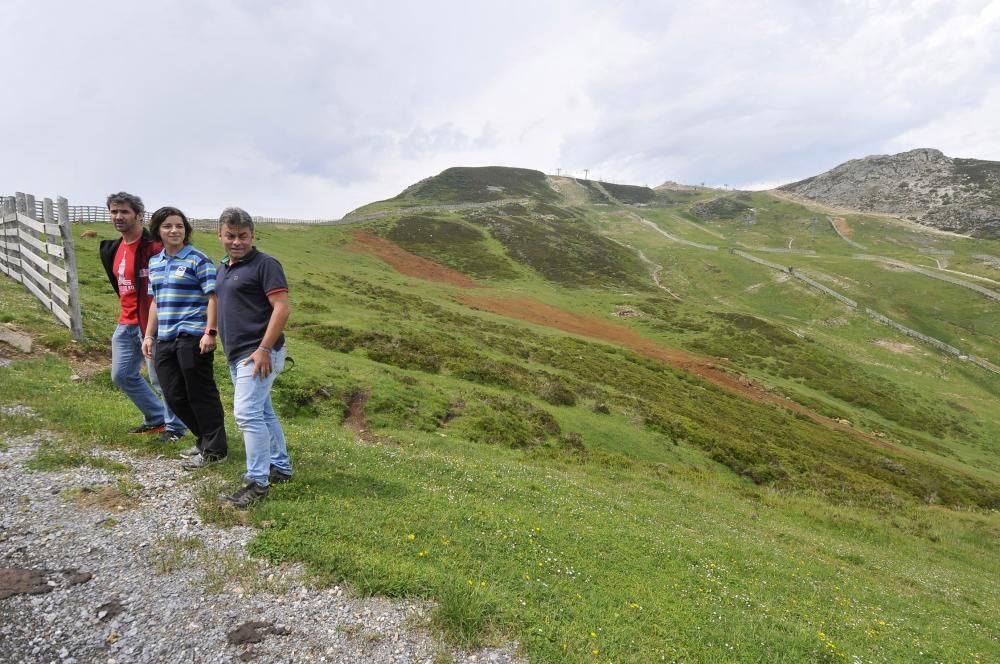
923 185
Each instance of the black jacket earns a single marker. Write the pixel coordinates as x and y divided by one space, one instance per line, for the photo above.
148 248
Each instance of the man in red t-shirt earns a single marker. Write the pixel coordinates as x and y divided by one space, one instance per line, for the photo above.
126 261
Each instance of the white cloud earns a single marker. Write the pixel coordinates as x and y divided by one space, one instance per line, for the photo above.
964 132
312 108
778 91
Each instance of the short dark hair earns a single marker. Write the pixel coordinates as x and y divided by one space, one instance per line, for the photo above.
161 215
235 217
131 200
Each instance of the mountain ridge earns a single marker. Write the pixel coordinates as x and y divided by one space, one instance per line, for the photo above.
922 185
531 400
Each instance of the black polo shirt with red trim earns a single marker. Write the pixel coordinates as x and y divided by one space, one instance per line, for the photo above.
244 310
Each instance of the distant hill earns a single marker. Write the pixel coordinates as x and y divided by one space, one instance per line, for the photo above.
924 185
480 185
586 416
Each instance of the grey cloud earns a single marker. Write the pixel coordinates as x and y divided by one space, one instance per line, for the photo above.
733 106
311 105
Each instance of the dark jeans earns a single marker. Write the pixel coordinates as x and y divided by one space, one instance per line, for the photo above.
188 383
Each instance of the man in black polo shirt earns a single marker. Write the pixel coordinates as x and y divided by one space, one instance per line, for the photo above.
252 297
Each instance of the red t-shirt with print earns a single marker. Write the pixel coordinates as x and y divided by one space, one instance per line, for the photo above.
125 271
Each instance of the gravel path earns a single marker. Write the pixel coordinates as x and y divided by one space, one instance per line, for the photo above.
137 577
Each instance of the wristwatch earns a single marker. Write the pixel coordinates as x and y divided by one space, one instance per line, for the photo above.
211 332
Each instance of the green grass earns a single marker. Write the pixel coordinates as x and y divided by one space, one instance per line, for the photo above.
580 497
452 243
554 551
477 185
57 456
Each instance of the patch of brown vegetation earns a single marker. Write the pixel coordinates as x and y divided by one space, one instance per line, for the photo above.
843 227
406 263
107 496
708 368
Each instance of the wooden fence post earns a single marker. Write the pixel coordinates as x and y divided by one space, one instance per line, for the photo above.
72 280
19 208
47 219
6 209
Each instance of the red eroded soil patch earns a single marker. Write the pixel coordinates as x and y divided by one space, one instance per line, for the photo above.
539 313
843 227
406 263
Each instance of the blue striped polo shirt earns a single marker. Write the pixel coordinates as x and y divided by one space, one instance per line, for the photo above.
181 285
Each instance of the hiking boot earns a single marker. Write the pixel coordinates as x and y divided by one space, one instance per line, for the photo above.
200 461
147 428
192 451
169 436
246 496
275 476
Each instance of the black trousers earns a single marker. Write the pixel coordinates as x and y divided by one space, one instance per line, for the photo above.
188 383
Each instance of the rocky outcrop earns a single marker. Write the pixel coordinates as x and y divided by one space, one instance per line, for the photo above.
924 185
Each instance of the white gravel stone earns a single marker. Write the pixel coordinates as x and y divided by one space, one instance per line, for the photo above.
129 611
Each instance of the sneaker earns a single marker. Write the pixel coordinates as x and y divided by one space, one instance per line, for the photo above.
200 461
246 496
146 428
192 451
275 476
169 436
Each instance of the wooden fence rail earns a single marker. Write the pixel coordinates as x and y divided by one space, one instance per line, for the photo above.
36 250
90 214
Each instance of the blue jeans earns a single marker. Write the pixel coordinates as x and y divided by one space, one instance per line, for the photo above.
126 362
262 434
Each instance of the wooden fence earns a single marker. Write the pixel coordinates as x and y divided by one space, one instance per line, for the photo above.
36 250
98 214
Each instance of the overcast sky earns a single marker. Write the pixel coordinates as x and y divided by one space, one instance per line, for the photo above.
309 109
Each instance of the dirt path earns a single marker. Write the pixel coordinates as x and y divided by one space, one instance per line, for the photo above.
572 191
708 368
92 572
700 227
842 226
406 263
817 206
536 312
655 274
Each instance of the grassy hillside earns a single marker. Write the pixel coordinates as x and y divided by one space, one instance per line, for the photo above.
478 185
499 409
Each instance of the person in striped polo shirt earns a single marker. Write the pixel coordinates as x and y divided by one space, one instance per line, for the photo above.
182 322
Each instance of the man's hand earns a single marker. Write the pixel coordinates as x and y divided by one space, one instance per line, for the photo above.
147 347
261 363
207 343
